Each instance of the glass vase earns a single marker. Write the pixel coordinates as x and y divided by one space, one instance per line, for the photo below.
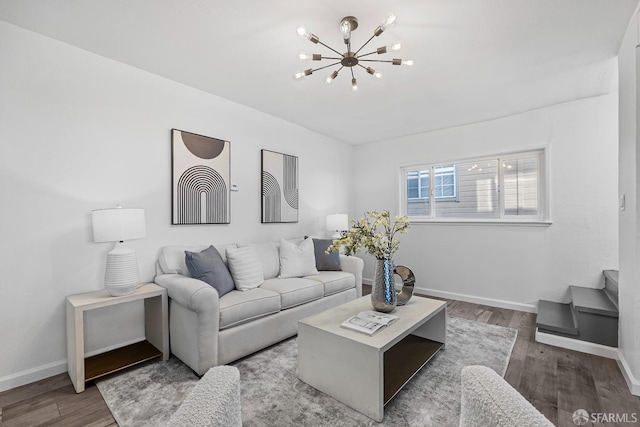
383 292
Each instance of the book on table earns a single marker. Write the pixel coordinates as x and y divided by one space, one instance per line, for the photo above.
369 322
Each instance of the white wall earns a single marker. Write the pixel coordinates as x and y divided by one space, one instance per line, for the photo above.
515 264
629 242
80 132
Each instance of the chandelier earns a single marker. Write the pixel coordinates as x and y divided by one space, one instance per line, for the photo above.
350 59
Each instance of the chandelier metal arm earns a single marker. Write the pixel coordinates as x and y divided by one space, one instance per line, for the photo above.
365 43
331 57
367 54
330 48
327 66
391 61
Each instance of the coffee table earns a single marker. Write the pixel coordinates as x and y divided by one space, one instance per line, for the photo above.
365 372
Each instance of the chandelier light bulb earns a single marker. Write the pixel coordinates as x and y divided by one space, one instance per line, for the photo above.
391 19
407 62
395 46
306 56
302 74
331 77
374 73
354 85
345 29
302 32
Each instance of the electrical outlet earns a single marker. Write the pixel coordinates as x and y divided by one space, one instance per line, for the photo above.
234 187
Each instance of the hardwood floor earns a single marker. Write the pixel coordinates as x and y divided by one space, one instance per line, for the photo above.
555 380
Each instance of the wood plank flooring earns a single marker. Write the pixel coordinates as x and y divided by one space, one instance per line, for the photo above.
555 380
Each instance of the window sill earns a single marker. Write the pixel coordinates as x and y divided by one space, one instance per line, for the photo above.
520 222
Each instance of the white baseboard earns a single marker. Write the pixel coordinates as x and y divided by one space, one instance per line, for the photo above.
511 305
632 381
32 375
50 369
577 345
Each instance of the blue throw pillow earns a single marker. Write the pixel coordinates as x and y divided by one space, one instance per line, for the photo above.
209 267
324 261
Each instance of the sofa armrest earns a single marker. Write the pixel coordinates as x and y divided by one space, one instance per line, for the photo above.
488 400
353 265
194 320
191 293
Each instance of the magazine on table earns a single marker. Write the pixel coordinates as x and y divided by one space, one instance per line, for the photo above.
369 322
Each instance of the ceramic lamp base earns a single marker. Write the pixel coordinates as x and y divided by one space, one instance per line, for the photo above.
121 276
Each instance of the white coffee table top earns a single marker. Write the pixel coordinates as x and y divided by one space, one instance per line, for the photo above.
410 317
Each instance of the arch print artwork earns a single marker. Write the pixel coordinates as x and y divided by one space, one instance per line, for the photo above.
279 187
200 179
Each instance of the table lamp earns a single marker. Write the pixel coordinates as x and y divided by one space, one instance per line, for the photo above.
338 223
117 225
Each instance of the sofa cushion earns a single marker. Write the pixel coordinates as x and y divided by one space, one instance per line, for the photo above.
297 260
209 267
334 281
294 291
326 261
172 260
238 307
269 258
245 267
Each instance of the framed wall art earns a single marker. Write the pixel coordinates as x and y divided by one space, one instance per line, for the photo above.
279 187
201 176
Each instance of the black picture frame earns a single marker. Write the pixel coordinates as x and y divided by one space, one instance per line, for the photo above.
280 187
200 179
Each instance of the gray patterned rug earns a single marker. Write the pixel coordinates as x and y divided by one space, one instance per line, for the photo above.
273 396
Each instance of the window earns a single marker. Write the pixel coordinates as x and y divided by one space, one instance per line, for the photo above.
418 185
498 188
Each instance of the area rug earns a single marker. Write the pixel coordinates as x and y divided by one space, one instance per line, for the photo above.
272 395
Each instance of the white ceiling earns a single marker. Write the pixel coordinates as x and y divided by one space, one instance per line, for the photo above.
475 59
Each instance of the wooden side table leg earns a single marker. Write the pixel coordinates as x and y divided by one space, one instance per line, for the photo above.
156 321
75 346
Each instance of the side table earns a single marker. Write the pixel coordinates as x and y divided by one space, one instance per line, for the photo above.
156 344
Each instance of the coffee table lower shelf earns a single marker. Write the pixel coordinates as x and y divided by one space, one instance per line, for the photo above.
404 360
115 360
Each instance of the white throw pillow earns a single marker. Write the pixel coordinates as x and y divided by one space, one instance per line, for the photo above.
297 260
245 267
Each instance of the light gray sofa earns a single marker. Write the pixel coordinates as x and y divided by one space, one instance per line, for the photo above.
207 330
488 400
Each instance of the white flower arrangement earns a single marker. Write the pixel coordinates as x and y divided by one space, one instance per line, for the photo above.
374 233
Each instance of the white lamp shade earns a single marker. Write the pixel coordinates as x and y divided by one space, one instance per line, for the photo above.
118 224
338 222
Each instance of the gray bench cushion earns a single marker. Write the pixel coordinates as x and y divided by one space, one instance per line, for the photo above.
294 291
238 307
334 281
